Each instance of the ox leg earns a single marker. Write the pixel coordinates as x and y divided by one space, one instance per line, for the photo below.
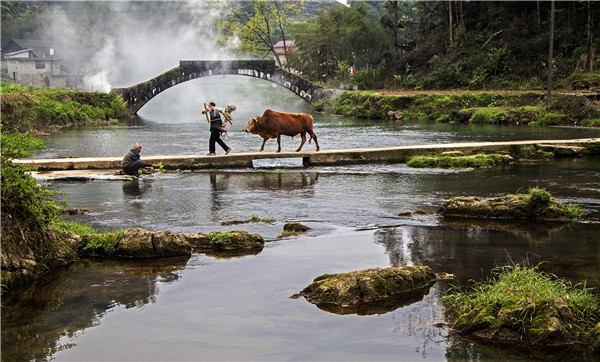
303 136
263 145
314 137
278 143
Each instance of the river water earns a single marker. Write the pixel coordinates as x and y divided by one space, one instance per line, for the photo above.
216 307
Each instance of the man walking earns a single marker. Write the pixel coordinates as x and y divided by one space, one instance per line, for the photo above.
216 127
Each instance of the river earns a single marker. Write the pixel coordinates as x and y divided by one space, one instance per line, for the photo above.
215 307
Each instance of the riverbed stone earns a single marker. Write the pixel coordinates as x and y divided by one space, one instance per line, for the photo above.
504 207
141 243
295 227
595 339
562 150
237 240
23 261
549 325
364 286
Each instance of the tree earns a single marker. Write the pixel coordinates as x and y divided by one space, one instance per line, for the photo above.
339 34
260 25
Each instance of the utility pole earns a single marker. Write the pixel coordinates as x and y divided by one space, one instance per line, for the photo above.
549 94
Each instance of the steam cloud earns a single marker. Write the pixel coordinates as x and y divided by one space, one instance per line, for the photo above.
146 38
139 44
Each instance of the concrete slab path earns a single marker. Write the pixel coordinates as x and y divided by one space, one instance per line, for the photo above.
329 157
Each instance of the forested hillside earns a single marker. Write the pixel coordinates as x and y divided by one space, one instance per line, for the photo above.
451 44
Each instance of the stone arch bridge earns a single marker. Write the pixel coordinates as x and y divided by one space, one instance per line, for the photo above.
138 95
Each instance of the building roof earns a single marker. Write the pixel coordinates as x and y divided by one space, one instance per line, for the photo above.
288 44
16 53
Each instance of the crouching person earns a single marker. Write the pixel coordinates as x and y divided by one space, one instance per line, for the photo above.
132 162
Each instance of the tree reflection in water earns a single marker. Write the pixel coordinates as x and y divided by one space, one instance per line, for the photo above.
71 299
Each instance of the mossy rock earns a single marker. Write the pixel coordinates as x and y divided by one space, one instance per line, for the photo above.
225 241
365 286
27 254
549 325
505 207
134 243
295 227
595 338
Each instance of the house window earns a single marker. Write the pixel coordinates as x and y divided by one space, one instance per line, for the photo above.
40 64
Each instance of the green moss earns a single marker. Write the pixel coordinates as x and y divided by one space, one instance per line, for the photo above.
256 218
592 149
220 239
539 195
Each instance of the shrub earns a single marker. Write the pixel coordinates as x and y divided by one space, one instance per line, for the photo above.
24 202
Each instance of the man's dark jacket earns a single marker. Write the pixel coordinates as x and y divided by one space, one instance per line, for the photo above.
131 157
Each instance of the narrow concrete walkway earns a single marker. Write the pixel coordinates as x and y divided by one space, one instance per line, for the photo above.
397 154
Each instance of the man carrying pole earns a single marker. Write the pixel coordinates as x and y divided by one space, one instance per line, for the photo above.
216 128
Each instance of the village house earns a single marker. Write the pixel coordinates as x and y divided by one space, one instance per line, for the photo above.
280 50
33 62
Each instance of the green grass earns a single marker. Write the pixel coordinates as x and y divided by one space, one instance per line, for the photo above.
78 228
526 289
25 108
488 108
106 241
542 197
449 161
256 218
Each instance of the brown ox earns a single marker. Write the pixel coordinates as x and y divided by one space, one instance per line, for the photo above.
274 124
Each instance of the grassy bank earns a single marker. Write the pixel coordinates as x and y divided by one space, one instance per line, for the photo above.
492 107
44 109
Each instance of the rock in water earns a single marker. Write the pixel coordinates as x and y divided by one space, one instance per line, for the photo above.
367 285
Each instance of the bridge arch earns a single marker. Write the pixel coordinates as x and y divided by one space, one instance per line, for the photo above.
138 95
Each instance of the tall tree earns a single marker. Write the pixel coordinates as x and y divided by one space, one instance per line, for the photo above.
260 25
340 34
391 20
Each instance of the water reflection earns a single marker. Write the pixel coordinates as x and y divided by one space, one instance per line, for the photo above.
378 307
134 188
284 181
218 186
537 232
472 252
69 300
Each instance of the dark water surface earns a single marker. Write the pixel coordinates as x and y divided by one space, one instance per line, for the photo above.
207 307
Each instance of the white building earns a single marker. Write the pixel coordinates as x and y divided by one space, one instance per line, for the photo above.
28 63
280 50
